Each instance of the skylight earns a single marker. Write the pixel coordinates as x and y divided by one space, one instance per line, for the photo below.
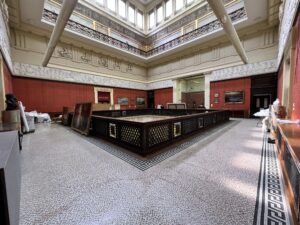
159 14
169 8
111 4
131 16
139 20
122 8
178 5
151 20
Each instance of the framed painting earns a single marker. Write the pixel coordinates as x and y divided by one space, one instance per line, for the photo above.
234 97
123 101
140 101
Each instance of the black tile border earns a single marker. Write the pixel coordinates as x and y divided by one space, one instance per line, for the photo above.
271 205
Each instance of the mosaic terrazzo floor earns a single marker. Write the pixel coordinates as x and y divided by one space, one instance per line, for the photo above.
68 180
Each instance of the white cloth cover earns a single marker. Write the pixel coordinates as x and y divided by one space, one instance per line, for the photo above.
23 117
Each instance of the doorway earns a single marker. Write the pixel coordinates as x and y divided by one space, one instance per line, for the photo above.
260 102
193 99
150 99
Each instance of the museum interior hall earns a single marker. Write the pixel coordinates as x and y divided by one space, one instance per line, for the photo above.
140 112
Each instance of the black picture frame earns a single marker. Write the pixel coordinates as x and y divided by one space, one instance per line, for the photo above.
140 101
234 97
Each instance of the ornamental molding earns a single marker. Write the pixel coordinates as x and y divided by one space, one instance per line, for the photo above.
4 35
247 70
160 84
46 73
287 19
55 74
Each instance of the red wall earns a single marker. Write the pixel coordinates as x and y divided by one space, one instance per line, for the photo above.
231 85
131 94
280 83
163 96
50 96
296 81
7 79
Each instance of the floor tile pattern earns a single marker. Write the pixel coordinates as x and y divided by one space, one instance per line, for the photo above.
67 180
271 206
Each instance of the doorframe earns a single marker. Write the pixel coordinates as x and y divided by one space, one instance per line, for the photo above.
252 101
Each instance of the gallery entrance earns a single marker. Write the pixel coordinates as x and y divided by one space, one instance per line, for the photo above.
260 102
263 91
193 99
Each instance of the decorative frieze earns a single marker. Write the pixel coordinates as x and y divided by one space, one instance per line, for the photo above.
159 84
39 72
76 54
244 70
289 12
46 73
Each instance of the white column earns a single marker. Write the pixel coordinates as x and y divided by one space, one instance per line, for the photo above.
207 90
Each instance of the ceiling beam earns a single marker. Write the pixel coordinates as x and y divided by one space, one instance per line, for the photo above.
63 17
220 12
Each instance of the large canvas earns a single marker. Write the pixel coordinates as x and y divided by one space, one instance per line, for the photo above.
82 117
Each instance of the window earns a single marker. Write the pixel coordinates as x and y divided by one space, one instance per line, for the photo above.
189 2
169 8
111 4
122 8
131 14
151 20
101 2
159 14
139 20
178 4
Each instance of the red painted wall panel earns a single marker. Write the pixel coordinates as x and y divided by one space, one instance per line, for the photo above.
221 87
131 94
163 96
50 96
296 81
8 87
280 83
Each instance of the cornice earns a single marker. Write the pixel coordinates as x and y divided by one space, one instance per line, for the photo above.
247 70
55 74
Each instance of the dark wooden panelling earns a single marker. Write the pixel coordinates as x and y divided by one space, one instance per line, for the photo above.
263 87
193 99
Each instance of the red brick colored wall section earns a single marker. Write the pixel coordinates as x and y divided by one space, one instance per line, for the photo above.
296 83
231 85
131 94
7 79
280 83
50 96
163 96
